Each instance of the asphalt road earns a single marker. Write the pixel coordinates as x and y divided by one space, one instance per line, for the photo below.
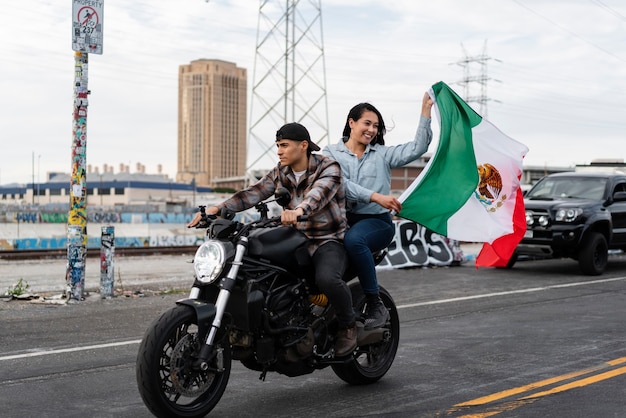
540 340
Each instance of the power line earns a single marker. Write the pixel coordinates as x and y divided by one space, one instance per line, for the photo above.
552 22
609 9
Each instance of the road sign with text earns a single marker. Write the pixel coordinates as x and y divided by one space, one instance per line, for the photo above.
87 19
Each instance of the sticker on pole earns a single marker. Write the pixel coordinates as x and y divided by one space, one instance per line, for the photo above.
87 26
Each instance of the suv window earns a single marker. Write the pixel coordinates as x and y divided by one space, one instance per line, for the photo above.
559 188
620 188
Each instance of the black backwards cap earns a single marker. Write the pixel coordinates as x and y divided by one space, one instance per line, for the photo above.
296 132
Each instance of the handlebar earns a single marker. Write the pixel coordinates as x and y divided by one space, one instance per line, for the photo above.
206 220
276 219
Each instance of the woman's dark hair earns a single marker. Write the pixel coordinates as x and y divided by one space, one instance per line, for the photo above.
355 114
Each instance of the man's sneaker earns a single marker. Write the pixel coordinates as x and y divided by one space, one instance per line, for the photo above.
376 314
346 340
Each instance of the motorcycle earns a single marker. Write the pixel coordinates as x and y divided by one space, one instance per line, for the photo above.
253 300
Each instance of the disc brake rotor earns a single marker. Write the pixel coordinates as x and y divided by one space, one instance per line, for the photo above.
186 380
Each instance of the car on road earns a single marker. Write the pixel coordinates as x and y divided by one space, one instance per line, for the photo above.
578 215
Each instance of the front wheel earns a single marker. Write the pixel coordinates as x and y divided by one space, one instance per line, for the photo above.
371 362
512 260
169 383
594 254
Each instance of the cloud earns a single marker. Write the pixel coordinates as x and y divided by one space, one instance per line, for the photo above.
557 73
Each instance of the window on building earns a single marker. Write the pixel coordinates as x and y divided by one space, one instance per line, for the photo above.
119 190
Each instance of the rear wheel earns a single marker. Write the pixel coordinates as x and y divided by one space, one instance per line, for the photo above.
169 383
594 254
371 362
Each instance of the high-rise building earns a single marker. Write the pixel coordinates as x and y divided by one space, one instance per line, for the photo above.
212 123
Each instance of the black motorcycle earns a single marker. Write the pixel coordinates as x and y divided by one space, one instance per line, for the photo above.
253 300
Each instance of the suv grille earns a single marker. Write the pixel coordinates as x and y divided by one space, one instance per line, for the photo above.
540 232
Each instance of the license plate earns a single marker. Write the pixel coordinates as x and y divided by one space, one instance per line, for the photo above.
528 234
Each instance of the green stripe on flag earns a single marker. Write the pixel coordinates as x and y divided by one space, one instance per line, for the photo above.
452 175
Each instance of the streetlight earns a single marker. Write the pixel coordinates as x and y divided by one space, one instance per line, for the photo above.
38 178
100 191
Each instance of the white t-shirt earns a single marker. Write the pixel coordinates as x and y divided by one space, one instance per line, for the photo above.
298 174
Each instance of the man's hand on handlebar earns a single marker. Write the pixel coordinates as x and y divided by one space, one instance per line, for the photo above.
210 211
290 217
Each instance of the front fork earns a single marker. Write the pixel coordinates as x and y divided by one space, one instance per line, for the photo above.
227 285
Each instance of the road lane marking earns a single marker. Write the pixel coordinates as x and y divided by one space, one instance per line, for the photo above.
579 383
522 389
68 350
484 401
509 292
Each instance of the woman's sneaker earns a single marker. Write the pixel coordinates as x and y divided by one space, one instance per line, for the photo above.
376 314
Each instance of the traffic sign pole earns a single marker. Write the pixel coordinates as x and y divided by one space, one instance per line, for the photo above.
77 218
87 23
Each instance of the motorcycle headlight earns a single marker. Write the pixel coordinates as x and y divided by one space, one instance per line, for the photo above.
568 215
209 261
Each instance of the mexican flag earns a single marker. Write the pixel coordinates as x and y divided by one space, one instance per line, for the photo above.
469 190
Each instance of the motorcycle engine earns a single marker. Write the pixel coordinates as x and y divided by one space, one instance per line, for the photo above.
291 312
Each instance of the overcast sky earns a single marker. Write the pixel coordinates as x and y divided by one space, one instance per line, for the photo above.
557 73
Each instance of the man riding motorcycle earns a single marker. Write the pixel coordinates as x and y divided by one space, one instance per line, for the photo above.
316 187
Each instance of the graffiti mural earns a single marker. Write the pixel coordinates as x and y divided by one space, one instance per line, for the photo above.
413 246
54 218
28 217
104 217
101 217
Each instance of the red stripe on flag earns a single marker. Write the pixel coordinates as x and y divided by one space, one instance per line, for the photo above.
500 251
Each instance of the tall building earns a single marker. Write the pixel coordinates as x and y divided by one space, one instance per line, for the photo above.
212 124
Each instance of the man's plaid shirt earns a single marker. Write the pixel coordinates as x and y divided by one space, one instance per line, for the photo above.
320 193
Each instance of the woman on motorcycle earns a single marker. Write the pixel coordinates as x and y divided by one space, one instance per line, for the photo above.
366 165
316 187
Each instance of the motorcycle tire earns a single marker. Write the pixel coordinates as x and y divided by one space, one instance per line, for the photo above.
167 382
370 363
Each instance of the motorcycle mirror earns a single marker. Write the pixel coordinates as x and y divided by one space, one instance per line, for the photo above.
282 196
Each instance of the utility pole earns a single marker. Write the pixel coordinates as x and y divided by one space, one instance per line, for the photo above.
86 37
481 79
289 80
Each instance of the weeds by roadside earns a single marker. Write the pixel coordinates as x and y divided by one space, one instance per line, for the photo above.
19 289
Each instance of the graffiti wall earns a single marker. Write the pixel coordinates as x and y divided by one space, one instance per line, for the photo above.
102 217
413 245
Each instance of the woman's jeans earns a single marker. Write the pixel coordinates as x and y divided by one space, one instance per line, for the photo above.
367 234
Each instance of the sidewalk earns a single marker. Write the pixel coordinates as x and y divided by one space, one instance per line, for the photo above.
156 273
46 277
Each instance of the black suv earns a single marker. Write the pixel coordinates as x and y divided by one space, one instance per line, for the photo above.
578 215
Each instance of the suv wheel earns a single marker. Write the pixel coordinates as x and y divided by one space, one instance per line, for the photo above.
594 254
512 260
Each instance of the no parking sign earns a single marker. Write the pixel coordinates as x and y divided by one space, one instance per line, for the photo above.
87 19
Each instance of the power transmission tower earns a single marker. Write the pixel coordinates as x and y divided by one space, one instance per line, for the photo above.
481 79
289 80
